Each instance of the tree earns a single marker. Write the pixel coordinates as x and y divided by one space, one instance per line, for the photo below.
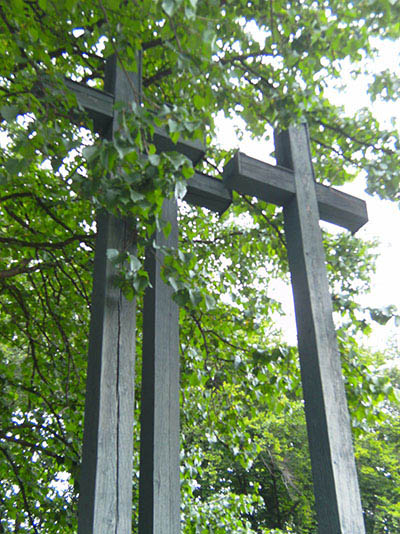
270 63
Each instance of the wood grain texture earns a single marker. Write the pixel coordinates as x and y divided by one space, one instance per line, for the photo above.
159 487
208 192
335 479
275 184
105 503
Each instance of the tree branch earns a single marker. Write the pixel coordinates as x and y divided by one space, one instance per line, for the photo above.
23 268
270 223
162 73
34 446
343 133
21 487
85 238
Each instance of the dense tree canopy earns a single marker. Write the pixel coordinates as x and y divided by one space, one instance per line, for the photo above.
245 463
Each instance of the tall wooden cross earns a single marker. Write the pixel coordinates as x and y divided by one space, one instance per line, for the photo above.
105 496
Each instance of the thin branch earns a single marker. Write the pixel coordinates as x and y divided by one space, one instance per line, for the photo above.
55 413
338 152
199 326
159 75
20 221
51 214
21 487
213 165
34 446
20 299
271 18
270 223
172 24
237 347
151 44
85 238
12 196
242 57
343 133
80 290
256 73
23 268
213 241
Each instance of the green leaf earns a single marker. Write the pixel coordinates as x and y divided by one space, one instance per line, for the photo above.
154 159
173 126
180 189
90 153
113 255
169 7
9 113
210 302
136 196
167 229
198 101
187 172
134 263
173 283
175 137
195 297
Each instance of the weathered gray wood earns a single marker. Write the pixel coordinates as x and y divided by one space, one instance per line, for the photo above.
99 105
275 184
105 503
159 493
245 174
208 192
194 150
333 465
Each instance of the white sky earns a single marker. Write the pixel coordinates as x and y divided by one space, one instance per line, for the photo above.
384 216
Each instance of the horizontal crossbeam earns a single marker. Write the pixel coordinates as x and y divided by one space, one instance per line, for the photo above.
208 192
99 105
274 184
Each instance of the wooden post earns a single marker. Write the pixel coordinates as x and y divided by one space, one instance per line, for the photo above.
159 492
290 185
334 472
105 502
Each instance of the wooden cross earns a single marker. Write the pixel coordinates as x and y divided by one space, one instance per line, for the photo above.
105 497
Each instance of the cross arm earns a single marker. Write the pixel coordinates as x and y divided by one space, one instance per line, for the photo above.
247 175
99 105
275 184
202 190
208 192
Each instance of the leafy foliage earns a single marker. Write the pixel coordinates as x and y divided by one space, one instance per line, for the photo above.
245 461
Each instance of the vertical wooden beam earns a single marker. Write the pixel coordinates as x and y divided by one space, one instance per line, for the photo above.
334 472
159 492
105 502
